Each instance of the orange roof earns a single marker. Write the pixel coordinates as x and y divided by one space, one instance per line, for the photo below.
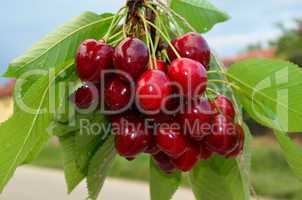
263 53
7 89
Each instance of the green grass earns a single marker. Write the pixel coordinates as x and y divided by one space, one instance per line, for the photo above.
270 175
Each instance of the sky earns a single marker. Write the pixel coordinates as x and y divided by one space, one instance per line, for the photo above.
23 22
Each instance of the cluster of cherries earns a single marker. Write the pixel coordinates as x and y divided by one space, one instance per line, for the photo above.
199 126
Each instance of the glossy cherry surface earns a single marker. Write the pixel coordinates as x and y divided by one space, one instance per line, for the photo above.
224 138
239 148
187 160
197 119
164 162
171 141
92 58
131 56
160 65
85 96
152 147
190 76
152 89
131 137
117 94
224 106
204 152
191 45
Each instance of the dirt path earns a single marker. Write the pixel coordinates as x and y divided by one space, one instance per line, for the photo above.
35 184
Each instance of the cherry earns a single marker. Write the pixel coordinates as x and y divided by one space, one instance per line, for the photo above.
223 139
197 119
152 147
161 118
170 141
117 94
204 153
152 89
239 148
187 160
92 58
224 106
164 162
131 137
85 96
131 56
160 64
190 75
191 45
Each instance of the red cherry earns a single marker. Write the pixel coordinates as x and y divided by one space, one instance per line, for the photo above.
160 64
93 57
224 106
152 89
191 45
152 148
131 56
223 138
85 96
197 119
170 141
190 75
117 94
204 153
164 162
131 137
161 118
187 160
239 148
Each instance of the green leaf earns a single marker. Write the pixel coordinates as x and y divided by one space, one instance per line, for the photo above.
219 179
291 152
55 128
162 185
247 155
60 129
25 129
80 145
73 175
88 140
60 46
99 167
200 14
270 91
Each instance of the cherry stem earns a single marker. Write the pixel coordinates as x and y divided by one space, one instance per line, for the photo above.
165 38
115 21
213 91
148 41
173 20
115 35
222 82
177 15
160 21
215 72
222 69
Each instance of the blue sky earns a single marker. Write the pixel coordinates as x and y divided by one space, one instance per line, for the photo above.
25 21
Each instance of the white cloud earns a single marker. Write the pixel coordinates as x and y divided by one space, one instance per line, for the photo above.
242 39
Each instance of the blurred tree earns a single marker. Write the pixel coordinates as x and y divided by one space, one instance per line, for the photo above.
289 45
253 47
